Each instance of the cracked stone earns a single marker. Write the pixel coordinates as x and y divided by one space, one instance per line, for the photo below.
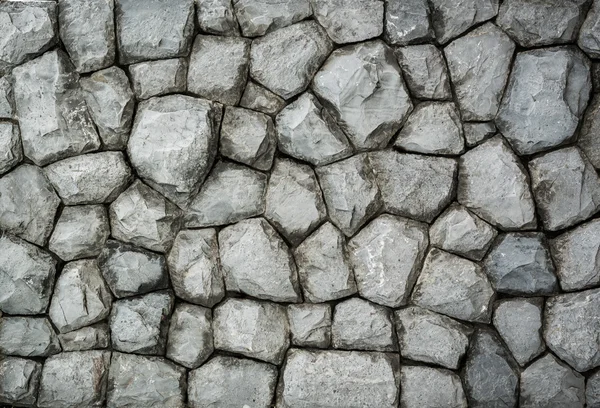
451 18
349 21
592 391
86 338
7 100
424 70
260 99
20 381
216 17
190 339
588 140
477 132
407 22
428 387
589 38
258 17
27 337
386 256
156 78
10 146
310 325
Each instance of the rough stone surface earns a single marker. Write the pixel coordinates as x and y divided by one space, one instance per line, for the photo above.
477 132
86 338
407 22
589 39
7 99
260 99
588 140
10 146
190 339
27 337
217 17
258 17
592 391
423 66
349 21
451 18
156 78
20 381
310 325
428 387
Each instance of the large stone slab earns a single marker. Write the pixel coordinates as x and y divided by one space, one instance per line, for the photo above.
21 378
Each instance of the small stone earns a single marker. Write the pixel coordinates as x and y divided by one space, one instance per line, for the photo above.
190 339
286 60
27 337
260 99
195 268
248 137
232 382
451 19
387 256
455 287
338 379
306 131
94 178
588 140
433 128
595 76
7 100
548 382
258 17
380 101
131 271
495 186
310 324
547 94
11 152
412 185
80 232
477 132
479 64
519 323
86 338
592 391
351 192
26 276
216 17
589 39
407 22
231 193
142 381
257 262
349 21
424 69
323 268
142 217
160 30
81 297
254 329
87 31
156 78
219 68
111 101
20 381
139 325
76 379
428 387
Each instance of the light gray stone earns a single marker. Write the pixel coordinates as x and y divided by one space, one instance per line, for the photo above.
216 17
477 132
258 17
20 381
407 22
428 387
260 99
7 99
190 339
592 391
452 18
310 324
588 140
348 21
589 37
10 146
27 337
424 68
156 78
86 338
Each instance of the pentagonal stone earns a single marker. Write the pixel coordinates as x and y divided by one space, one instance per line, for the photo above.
572 330
20 381
592 391
407 22
80 232
87 31
379 102
195 268
155 78
142 381
455 287
254 329
566 187
412 185
27 337
248 137
143 217
349 21
461 232
546 96
424 70
28 203
479 64
232 382
548 382
260 99
76 379
351 192
432 128
231 193
477 132
310 324
519 323
338 379
10 146
216 17
94 178
294 203
589 39
577 256
173 144
258 17
286 60
7 98
494 185
451 19
190 335
308 132
26 276
428 387
323 267
86 338
161 30
53 116
386 256
130 271
588 140
80 297
139 325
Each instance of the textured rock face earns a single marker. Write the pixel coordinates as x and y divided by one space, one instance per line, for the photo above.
86 338
592 391
429 387
256 18
589 40
216 17
7 103
588 141
27 337
10 146
260 99
452 18
190 335
156 78
424 68
20 380
349 20
477 132
407 22
310 325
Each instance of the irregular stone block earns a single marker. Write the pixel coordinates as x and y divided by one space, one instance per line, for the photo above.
10 146
423 67
27 337
450 18
477 132
350 20
260 99
7 98
156 78
216 17
190 339
86 338
20 381
589 39
310 324
407 22
258 17
588 140
592 391
428 387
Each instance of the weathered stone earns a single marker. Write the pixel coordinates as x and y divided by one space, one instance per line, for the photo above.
479 65
20 381
349 21
27 337
216 17
451 18
424 69
595 76
258 17
286 60
323 267
588 140
477 132
310 324
86 338
156 78
407 22
546 96
386 256
254 329
260 99
592 391
494 185
190 335
589 38
7 99
428 387
11 152
455 287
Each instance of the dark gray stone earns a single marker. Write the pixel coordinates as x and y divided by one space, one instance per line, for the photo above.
451 18
156 78
258 17
588 140
423 67
190 339
27 337
310 324
407 22
20 381
349 21
11 151
428 387
260 99
592 391
589 38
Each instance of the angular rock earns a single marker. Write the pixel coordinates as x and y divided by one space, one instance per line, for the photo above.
27 337
7 99
588 140
407 22
254 329
546 96
310 324
428 387
349 21
566 188
156 78
260 99
258 17
20 381
495 186
216 17
592 391
190 339
589 38
86 338
595 76
479 64
424 69
450 18
286 60
80 232
455 287
10 146
477 132
386 256
257 262
173 144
